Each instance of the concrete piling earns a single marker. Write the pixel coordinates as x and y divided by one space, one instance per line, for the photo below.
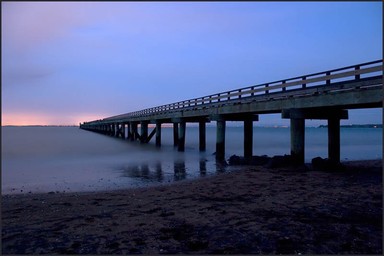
248 138
298 116
144 132
298 139
220 140
158 134
202 139
175 134
334 140
181 140
129 131
134 131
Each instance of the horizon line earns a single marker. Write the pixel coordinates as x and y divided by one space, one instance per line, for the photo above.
192 124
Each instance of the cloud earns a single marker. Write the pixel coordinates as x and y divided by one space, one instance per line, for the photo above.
24 75
30 31
26 25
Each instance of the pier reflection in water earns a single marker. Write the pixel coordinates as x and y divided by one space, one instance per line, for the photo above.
179 169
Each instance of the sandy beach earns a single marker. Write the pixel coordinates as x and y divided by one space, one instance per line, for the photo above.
250 210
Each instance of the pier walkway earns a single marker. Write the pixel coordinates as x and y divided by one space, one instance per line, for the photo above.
325 95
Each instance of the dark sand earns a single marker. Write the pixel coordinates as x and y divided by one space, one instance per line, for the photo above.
252 210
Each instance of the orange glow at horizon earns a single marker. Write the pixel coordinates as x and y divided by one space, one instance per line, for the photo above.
20 119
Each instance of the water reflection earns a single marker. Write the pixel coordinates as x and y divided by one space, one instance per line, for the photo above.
203 167
180 173
220 166
171 171
159 172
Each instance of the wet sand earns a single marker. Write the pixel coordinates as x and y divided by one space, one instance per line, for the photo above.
250 210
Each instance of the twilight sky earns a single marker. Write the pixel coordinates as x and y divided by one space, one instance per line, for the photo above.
68 62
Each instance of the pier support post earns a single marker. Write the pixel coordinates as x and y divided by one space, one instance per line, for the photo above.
133 131
334 140
202 144
220 119
116 132
297 116
124 131
248 139
220 139
113 128
175 134
131 134
128 131
181 140
158 134
144 132
298 139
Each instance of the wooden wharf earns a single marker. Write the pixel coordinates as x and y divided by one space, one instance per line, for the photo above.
325 95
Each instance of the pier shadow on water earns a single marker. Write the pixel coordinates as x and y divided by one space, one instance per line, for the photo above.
170 171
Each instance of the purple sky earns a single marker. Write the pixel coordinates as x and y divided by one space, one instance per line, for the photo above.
69 62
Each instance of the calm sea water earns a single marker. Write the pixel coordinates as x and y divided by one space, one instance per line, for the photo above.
44 159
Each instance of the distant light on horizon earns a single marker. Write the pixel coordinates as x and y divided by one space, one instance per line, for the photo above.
24 119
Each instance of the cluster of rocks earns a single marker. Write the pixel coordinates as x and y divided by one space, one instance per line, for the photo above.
269 162
282 161
324 164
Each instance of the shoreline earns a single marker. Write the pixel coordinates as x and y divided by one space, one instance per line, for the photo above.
248 210
232 167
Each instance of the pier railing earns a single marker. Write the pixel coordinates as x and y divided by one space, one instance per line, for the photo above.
285 86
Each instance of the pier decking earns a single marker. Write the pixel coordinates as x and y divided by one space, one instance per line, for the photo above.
325 95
